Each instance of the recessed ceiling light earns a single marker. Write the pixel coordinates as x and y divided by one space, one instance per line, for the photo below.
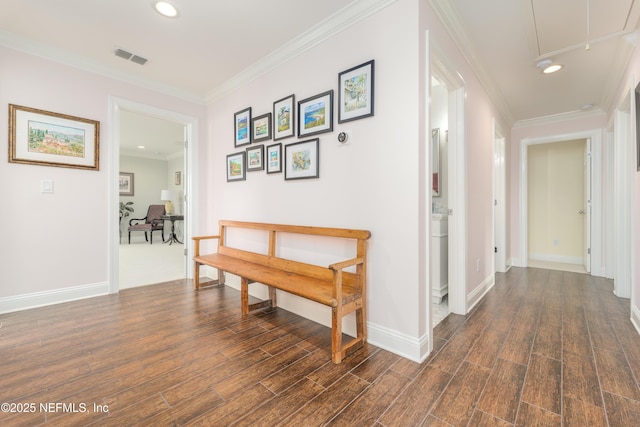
165 8
547 66
141 147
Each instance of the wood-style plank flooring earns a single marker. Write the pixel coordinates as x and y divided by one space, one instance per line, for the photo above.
543 348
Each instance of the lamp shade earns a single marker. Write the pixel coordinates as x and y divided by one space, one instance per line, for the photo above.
166 195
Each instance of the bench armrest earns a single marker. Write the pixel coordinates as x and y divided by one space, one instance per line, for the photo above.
196 243
344 264
205 237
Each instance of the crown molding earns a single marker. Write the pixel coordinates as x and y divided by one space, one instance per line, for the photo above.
346 17
65 57
446 13
556 118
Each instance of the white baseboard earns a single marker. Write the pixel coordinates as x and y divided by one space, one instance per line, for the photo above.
477 294
55 296
416 349
557 258
635 317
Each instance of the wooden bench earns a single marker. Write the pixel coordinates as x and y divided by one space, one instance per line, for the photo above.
344 291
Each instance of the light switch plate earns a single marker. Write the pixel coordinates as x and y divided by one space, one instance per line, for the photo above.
46 186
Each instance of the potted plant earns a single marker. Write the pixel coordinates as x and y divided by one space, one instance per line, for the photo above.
125 210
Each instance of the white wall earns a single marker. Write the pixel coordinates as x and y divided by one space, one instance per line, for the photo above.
58 243
377 182
371 183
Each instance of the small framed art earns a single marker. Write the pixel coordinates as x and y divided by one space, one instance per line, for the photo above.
355 92
255 158
236 167
242 127
177 178
39 137
302 160
283 118
315 114
274 158
125 182
261 126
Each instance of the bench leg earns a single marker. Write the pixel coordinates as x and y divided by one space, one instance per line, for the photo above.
336 334
272 296
244 295
196 276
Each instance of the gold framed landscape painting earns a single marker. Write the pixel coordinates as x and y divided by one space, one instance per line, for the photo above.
45 138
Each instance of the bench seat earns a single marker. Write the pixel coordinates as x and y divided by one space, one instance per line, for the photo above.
341 285
318 290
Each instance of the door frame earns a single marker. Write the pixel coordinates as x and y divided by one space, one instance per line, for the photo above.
596 196
500 200
191 185
444 71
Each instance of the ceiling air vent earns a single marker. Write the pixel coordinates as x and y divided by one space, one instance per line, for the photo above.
138 59
121 53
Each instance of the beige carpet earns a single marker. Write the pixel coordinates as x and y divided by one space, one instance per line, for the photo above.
144 264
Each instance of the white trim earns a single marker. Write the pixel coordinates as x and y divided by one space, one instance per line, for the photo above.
415 349
499 211
55 296
558 118
447 15
557 258
635 317
344 18
622 185
596 225
478 293
191 185
74 60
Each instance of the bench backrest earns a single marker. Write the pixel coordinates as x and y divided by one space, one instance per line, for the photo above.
272 258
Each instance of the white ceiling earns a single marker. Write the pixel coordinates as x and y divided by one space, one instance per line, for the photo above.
504 39
213 42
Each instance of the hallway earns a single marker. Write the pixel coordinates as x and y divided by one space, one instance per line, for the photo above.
543 348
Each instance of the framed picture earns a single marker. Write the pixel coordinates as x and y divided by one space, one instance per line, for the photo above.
38 137
236 167
301 160
274 158
125 183
283 118
315 114
242 127
355 92
177 178
255 158
261 126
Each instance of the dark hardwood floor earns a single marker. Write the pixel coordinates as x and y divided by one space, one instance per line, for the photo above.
542 348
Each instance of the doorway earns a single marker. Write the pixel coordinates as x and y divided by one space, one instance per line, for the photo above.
152 157
182 201
559 205
549 246
449 92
